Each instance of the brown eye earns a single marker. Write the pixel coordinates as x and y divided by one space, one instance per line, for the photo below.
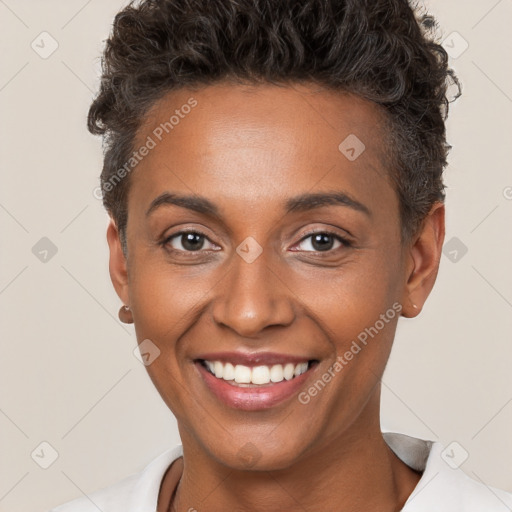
187 241
322 241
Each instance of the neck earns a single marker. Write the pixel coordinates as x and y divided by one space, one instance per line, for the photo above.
356 471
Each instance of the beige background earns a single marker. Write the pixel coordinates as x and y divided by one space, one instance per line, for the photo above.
68 373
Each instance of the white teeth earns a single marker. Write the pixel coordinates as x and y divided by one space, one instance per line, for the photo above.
256 375
300 369
276 373
218 369
288 371
242 374
229 372
260 375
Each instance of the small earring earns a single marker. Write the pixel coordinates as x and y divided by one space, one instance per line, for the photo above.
125 315
414 306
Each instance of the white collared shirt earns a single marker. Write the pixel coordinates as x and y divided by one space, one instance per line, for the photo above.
442 488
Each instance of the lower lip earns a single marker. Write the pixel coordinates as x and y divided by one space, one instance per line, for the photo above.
252 398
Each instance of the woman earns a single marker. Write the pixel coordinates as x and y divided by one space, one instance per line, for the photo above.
273 174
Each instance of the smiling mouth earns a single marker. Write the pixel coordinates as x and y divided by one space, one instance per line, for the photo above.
254 376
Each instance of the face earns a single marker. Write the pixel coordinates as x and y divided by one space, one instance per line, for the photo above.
255 241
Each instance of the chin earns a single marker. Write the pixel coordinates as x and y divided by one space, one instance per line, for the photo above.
254 454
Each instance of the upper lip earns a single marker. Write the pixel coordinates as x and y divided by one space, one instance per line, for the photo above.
254 358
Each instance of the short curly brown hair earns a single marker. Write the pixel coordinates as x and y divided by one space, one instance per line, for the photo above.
382 50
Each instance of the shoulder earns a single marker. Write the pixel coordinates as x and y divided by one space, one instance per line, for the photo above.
444 486
137 492
455 488
447 489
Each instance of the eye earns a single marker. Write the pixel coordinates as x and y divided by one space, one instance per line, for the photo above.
187 241
322 241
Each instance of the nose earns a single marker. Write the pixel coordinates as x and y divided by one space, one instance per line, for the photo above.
253 296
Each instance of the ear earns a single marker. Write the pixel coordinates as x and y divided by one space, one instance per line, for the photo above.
422 261
117 263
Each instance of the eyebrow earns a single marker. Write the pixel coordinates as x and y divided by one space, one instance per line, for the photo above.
308 201
300 203
191 202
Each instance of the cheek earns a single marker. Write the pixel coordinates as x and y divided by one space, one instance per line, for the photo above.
357 310
164 299
358 315
350 299
164 304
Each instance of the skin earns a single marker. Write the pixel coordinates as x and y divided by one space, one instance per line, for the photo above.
248 149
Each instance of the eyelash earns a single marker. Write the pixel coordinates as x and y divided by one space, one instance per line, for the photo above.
344 241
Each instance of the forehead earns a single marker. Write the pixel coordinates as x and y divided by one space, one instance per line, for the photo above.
254 144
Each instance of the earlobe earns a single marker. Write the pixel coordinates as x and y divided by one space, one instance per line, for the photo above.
117 263
423 261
